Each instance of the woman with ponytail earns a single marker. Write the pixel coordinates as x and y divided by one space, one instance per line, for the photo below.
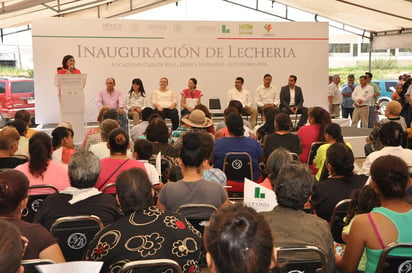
342 181
41 169
391 222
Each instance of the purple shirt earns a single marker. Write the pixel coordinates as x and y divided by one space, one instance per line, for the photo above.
112 100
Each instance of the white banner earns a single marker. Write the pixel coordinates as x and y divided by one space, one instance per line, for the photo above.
214 53
258 197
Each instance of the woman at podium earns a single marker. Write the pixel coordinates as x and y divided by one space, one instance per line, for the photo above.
68 66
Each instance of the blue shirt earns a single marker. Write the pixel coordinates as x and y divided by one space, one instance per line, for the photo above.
347 102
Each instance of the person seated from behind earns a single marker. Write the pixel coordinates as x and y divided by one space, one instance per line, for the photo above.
95 130
205 110
210 173
143 150
282 137
392 113
25 116
96 137
9 139
268 125
81 198
145 232
14 188
291 224
11 248
100 149
139 129
23 147
342 181
221 128
118 161
41 169
62 139
277 159
238 240
237 142
192 189
157 132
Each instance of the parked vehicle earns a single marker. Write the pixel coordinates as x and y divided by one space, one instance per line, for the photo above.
387 88
15 94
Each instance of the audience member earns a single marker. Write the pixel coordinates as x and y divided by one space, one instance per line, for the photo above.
342 181
118 161
158 133
192 189
236 142
276 160
23 146
139 129
388 223
392 113
41 169
238 240
81 198
282 137
14 187
9 139
100 149
391 136
268 125
143 151
221 128
25 116
11 248
95 130
205 110
96 138
332 134
363 200
62 139
318 119
145 232
293 226
210 173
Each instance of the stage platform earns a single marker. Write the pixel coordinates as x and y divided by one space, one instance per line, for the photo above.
356 137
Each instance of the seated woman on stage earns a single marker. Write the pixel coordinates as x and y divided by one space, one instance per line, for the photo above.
190 97
68 66
391 222
238 240
14 187
164 101
136 101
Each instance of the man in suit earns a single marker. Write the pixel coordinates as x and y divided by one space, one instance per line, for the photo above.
291 101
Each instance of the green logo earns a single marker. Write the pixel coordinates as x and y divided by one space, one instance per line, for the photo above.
225 30
258 194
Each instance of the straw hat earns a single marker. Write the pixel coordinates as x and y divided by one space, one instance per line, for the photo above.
197 119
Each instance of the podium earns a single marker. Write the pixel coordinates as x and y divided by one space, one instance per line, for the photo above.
71 98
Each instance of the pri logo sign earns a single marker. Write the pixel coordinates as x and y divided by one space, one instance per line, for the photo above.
268 27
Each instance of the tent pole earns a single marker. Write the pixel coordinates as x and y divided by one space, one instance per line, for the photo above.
370 52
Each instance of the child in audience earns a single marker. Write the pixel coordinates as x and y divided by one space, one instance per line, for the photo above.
143 150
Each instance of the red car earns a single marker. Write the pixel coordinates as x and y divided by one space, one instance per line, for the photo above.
15 94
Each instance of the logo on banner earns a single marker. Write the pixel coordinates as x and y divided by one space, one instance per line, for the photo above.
158 27
225 29
268 27
245 29
112 27
205 29
258 197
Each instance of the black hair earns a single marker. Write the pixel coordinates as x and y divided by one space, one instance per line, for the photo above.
237 104
283 122
192 153
111 114
334 130
234 123
363 200
269 126
14 187
40 148
321 117
20 126
143 148
194 81
294 77
146 113
391 134
341 158
65 59
11 247
118 141
58 134
141 87
240 79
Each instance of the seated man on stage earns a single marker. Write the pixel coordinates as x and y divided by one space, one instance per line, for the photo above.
112 98
266 95
240 94
291 101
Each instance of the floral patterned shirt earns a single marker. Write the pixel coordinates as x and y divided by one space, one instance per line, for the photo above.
147 234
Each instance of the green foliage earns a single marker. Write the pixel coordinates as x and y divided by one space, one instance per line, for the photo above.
15 72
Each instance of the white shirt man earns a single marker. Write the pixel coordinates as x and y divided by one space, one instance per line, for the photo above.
334 96
362 96
266 94
243 96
